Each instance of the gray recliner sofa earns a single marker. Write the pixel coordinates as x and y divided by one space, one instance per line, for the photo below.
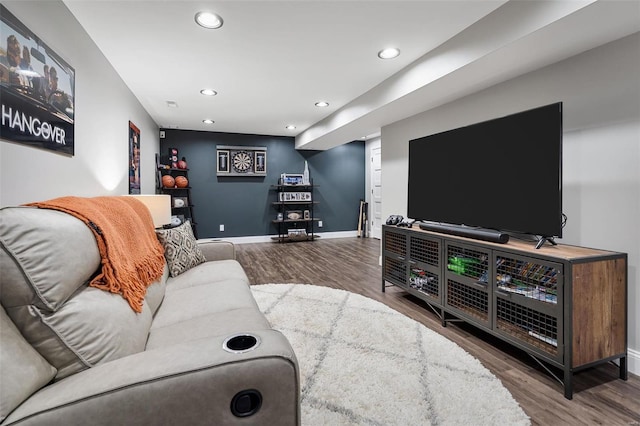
200 352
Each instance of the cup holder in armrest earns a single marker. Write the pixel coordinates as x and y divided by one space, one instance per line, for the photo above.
241 343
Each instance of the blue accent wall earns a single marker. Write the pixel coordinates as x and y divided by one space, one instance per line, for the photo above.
244 204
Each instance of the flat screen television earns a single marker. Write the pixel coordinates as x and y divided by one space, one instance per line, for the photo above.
503 174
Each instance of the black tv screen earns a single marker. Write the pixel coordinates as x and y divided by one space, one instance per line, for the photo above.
503 174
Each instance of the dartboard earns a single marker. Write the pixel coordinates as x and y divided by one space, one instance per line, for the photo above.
242 162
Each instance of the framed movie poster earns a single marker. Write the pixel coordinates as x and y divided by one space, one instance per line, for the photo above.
37 88
134 159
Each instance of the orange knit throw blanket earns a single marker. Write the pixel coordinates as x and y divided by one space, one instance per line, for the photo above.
132 256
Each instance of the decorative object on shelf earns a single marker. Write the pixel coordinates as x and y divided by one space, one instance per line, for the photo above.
168 181
134 159
179 202
291 179
241 160
307 215
182 181
294 214
305 174
295 196
279 216
182 164
29 117
175 221
297 232
173 157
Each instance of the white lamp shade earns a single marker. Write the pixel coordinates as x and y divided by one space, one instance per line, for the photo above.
160 207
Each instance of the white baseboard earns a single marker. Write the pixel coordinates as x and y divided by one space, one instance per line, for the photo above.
633 361
267 238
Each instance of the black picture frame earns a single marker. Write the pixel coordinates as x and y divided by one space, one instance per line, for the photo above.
134 159
37 88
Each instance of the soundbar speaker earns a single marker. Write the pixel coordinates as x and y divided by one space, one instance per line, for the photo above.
483 234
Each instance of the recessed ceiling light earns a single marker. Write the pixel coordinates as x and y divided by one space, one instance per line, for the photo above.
208 92
172 104
290 127
389 53
209 20
208 121
322 104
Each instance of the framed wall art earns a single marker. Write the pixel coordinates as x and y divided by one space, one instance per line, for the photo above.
37 90
260 162
291 179
241 160
223 162
134 159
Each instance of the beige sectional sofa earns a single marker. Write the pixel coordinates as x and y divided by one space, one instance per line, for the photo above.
200 352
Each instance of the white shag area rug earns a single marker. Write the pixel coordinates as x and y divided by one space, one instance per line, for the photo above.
362 363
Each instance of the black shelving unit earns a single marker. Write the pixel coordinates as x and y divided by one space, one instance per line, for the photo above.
295 220
184 211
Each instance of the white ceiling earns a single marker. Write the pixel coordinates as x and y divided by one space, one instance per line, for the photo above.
272 60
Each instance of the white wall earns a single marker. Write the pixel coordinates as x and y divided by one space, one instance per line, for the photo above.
601 150
104 106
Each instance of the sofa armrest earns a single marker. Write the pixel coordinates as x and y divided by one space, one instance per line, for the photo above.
217 249
192 383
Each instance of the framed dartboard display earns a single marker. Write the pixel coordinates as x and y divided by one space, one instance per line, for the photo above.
241 160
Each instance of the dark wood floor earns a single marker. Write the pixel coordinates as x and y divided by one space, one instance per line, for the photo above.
353 264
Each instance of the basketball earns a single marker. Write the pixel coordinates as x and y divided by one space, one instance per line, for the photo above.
168 181
182 164
182 182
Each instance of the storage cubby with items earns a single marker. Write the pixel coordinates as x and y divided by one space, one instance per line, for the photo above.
294 209
565 306
413 263
528 298
172 178
467 279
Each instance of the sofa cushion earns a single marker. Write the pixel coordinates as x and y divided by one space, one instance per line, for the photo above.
22 368
208 273
191 302
180 248
35 244
47 260
208 325
211 299
92 327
